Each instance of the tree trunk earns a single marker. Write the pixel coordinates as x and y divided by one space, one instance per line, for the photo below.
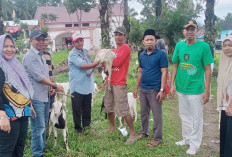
158 7
210 24
126 20
104 10
1 19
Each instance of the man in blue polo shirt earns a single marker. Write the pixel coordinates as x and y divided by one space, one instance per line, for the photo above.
153 66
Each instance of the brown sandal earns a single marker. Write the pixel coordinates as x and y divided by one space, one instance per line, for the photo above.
153 143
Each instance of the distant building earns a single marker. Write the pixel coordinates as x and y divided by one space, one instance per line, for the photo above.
12 27
226 29
62 29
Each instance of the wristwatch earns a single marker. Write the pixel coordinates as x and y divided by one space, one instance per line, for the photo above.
162 89
55 86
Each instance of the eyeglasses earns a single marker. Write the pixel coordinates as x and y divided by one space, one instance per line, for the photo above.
40 39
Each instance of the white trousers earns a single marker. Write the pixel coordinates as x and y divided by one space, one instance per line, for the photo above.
190 111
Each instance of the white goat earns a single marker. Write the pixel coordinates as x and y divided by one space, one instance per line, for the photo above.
106 57
58 121
64 97
94 93
132 105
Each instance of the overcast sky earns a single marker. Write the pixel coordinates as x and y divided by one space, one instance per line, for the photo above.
222 7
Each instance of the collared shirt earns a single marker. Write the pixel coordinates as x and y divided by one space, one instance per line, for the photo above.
151 68
78 79
37 69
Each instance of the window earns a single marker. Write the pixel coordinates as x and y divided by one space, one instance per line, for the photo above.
76 25
85 24
68 25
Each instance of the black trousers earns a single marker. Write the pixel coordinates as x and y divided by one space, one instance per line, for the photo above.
81 106
12 144
226 135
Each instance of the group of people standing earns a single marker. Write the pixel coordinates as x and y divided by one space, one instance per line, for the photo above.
26 89
25 92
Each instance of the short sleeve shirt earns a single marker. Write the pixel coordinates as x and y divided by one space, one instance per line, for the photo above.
79 80
151 68
191 61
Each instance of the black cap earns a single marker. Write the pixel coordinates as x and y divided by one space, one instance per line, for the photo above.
149 32
37 33
190 23
157 36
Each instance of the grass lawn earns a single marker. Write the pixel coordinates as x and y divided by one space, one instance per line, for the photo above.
112 145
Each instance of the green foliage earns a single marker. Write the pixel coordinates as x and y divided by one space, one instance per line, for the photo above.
136 32
58 57
169 25
74 5
44 28
23 26
16 20
48 17
24 9
216 64
49 2
19 44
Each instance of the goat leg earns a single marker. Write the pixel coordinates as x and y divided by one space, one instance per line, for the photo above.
55 136
89 74
50 128
65 138
120 122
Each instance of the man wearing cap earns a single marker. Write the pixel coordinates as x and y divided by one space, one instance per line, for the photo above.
81 86
116 101
37 70
152 75
191 64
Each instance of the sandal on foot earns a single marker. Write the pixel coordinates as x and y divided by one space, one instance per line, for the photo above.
130 141
153 143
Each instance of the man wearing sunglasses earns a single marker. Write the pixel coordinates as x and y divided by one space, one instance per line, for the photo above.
37 70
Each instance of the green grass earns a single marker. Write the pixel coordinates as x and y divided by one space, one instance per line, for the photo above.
93 144
58 57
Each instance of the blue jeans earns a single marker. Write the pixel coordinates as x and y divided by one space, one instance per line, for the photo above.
38 127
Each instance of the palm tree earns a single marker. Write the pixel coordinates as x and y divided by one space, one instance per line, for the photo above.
210 19
1 19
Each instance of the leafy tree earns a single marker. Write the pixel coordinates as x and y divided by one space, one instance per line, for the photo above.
25 9
45 17
16 20
158 8
225 23
169 25
78 6
126 19
7 8
49 2
210 30
105 7
136 32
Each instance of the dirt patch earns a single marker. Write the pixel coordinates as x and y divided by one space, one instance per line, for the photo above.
62 68
210 143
